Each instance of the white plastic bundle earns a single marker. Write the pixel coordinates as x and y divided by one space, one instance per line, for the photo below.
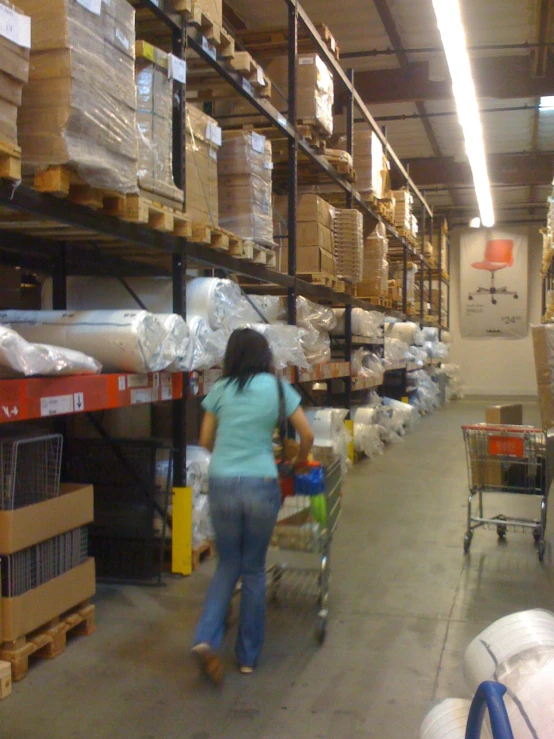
367 323
430 333
404 411
437 349
419 355
272 308
448 720
198 463
454 387
128 341
284 341
504 639
408 332
209 345
316 345
312 314
367 439
396 351
426 397
180 343
213 299
20 357
330 431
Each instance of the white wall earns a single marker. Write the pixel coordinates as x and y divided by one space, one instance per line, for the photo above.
496 366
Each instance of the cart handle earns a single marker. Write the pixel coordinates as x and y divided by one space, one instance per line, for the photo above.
489 696
500 427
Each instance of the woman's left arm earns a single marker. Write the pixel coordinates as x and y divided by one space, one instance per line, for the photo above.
208 431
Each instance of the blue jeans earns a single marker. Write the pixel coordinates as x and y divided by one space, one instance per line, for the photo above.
244 511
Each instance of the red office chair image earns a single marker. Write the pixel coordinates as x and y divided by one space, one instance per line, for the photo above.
499 254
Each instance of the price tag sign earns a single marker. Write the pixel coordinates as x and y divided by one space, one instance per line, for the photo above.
247 87
177 69
209 48
56 406
123 40
213 133
15 27
93 6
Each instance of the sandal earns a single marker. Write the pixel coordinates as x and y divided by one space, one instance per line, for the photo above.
245 670
209 662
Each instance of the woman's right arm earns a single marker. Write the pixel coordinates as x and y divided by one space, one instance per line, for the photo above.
304 430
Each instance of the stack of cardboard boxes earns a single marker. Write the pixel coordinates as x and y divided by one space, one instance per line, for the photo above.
15 41
245 185
369 163
349 245
376 267
486 470
202 141
79 108
403 209
155 123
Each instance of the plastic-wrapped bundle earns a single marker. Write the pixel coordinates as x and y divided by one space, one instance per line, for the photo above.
198 463
430 333
155 122
504 639
529 678
367 364
404 410
453 381
420 355
245 185
320 317
408 332
437 349
79 107
330 431
128 341
367 323
285 342
18 356
448 720
209 345
396 351
213 299
179 345
426 396
367 439
316 345
272 308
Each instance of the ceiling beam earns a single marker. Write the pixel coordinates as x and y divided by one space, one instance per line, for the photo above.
504 169
503 77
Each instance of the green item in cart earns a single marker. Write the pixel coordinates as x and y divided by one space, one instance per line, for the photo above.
319 509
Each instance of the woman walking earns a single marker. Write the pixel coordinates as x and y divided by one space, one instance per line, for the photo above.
241 413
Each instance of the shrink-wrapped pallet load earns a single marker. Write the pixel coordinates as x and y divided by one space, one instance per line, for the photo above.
376 267
245 182
155 123
79 108
403 209
203 139
369 163
15 40
349 244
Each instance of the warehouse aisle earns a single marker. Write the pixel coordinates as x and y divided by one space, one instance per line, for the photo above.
405 603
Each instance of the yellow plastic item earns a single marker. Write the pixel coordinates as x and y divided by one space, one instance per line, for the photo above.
181 542
350 428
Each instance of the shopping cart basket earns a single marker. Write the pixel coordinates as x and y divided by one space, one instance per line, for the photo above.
305 528
508 459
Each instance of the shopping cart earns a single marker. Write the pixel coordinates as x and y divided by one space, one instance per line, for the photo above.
508 459
299 556
489 698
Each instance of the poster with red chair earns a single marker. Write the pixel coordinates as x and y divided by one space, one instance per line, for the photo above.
493 284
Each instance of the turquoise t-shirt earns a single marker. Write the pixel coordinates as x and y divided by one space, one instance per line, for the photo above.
246 421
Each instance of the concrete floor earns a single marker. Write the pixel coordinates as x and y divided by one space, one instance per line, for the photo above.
405 604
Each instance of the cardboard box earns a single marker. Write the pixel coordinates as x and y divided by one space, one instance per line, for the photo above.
312 259
5 679
543 348
32 524
202 134
505 414
26 613
314 234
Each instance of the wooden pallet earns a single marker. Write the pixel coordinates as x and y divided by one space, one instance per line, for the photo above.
212 236
314 135
10 161
342 162
50 640
273 42
154 213
374 299
259 254
203 551
323 278
244 63
64 183
214 33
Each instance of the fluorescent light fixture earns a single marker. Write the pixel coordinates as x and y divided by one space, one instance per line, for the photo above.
475 223
449 21
547 103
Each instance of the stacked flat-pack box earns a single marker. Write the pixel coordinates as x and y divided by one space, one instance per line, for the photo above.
245 184
376 267
368 163
15 40
79 108
155 123
202 140
403 209
315 91
415 226
315 238
349 244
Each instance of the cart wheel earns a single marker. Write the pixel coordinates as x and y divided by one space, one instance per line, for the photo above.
537 534
321 629
467 542
501 530
541 548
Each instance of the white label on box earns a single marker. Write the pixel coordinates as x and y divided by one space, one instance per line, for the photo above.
281 120
213 154
166 379
56 406
306 60
177 69
156 3
247 87
15 27
209 48
213 133
94 6
258 142
79 401
123 40
144 395
137 381
167 393
268 165
121 383
333 44
260 76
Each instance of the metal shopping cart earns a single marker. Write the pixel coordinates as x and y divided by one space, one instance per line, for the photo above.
299 556
508 459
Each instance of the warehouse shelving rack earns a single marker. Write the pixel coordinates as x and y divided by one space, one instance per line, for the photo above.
78 240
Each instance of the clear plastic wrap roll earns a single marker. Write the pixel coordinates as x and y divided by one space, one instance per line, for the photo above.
20 357
285 343
366 323
179 345
209 345
448 720
406 331
122 341
318 316
430 333
272 308
404 410
396 351
367 439
437 349
213 299
504 639
316 345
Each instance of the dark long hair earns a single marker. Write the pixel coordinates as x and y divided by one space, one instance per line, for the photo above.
247 354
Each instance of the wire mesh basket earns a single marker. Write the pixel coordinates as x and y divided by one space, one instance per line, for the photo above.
30 469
